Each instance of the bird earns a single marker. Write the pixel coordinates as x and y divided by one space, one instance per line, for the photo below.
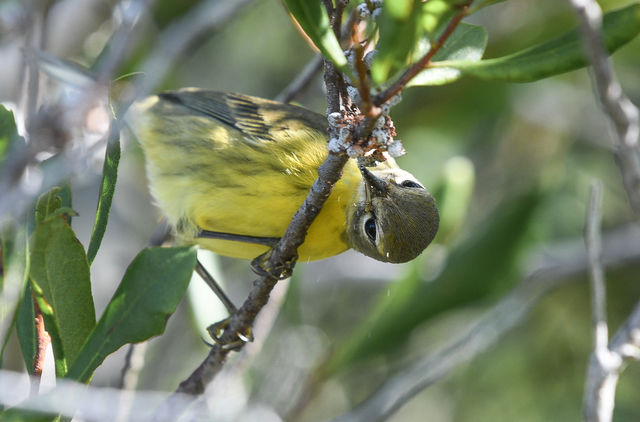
229 171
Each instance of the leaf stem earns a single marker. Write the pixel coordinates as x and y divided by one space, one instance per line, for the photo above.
394 89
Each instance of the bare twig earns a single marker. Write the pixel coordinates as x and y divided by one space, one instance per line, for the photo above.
301 81
596 273
623 114
621 247
311 68
602 375
181 35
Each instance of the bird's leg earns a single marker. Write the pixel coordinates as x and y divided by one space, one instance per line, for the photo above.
215 330
266 241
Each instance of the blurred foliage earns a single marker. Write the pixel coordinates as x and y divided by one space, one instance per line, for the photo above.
530 152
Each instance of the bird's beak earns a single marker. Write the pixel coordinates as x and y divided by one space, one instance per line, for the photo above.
374 186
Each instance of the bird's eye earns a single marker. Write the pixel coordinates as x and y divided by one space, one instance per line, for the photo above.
410 184
370 229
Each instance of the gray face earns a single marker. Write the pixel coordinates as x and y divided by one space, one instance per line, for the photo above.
395 219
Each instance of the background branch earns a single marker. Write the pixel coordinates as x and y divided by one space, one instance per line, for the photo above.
623 114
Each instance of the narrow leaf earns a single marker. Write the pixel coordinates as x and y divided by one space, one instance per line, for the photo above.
148 294
105 198
556 56
26 328
314 21
61 283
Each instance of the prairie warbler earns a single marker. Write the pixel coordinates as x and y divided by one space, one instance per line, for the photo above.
229 171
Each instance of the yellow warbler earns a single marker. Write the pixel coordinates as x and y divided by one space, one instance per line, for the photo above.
230 170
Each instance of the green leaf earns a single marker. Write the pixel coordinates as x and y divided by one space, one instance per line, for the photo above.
312 17
435 13
107 189
467 42
399 34
558 55
61 283
148 294
26 328
482 267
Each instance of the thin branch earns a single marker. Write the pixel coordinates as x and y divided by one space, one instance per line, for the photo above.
600 384
410 73
301 81
623 114
19 192
280 263
182 35
596 273
305 76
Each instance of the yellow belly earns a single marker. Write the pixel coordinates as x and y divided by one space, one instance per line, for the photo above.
325 238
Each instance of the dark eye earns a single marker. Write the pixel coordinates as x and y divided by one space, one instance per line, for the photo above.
410 184
370 229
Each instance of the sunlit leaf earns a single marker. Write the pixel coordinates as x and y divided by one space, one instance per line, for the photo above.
399 34
558 55
105 198
312 17
61 282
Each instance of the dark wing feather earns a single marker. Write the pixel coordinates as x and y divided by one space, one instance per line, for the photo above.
245 113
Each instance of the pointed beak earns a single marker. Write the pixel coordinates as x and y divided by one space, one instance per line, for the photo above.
375 186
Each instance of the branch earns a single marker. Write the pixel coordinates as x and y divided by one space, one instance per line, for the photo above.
280 263
301 81
623 114
602 375
182 35
18 192
596 273
622 246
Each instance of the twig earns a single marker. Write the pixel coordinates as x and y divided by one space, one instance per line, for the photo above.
301 81
410 73
311 68
178 38
602 374
280 262
596 273
181 35
623 114
621 248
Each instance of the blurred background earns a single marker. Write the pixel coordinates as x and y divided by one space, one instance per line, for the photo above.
510 166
